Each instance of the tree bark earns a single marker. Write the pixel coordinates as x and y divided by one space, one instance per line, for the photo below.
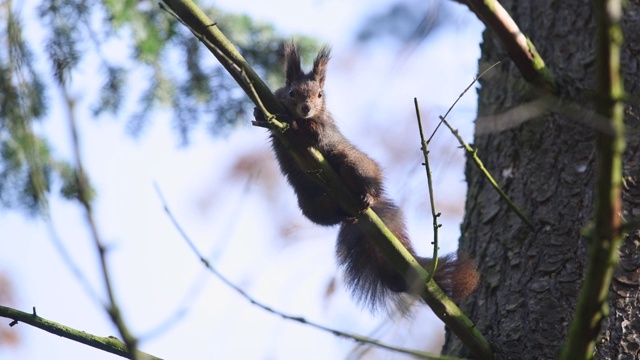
531 279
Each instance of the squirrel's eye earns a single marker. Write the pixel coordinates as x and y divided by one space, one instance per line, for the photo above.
291 93
320 94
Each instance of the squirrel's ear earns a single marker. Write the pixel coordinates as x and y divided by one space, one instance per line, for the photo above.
292 67
320 65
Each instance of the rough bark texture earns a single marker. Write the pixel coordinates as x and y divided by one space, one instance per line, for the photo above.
531 280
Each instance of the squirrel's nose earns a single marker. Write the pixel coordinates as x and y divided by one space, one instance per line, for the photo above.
305 109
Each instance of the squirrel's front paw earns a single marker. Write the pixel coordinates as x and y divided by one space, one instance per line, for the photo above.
260 119
259 115
285 118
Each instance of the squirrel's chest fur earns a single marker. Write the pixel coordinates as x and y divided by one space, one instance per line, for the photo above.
314 201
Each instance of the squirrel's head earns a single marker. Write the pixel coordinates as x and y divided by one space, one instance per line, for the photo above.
303 93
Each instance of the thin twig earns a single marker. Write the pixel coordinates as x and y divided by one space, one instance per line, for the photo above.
476 160
434 213
460 97
68 259
272 122
268 308
45 210
84 191
183 308
474 154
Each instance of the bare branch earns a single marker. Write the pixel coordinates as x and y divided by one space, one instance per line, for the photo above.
109 344
244 294
425 152
518 46
84 195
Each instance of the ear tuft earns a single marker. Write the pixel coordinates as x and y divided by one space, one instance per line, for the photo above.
320 64
292 67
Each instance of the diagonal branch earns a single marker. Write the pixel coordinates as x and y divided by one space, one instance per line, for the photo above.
207 264
109 344
211 36
518 46
473 153
474 156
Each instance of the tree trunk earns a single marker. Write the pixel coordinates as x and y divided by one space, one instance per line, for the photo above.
531 279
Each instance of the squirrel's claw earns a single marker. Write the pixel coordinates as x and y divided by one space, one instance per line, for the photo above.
366 200
260 119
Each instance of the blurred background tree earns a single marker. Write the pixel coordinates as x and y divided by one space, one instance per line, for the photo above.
177 76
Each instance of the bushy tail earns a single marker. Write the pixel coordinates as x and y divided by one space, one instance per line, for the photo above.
375 282
370 277
457 276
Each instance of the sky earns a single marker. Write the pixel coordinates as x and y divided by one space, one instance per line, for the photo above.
283 261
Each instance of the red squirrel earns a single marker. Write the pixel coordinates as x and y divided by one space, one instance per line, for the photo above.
372 279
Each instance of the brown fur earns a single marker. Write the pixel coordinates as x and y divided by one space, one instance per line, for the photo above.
369 275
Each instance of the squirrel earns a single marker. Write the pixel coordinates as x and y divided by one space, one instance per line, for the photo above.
370 277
